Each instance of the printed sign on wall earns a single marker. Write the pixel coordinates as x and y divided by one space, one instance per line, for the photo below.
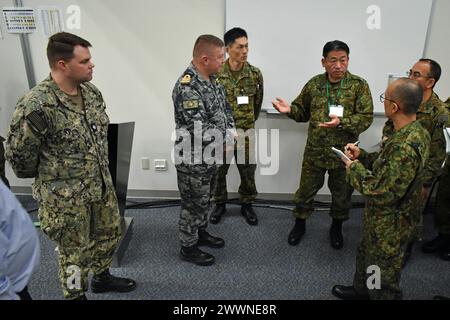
19 20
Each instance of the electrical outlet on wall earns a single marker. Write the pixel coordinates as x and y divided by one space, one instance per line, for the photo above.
160 164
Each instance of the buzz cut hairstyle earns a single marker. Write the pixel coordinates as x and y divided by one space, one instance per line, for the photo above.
204 43
409 94
335 45
61 46
233 34
435 69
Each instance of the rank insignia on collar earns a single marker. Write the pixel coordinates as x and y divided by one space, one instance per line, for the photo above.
186 79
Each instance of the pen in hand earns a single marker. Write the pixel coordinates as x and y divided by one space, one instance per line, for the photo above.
356 144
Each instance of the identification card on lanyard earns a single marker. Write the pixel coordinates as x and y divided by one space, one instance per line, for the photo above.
335 109
242 100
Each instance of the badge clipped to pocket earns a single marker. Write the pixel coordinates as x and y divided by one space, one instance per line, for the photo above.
242 100
337 110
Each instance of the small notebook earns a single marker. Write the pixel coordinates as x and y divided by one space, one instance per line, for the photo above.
447 139
340 154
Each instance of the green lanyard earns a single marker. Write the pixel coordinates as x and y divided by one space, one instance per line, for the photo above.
329 96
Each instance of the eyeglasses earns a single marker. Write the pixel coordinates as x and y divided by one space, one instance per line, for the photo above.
415 75
382 98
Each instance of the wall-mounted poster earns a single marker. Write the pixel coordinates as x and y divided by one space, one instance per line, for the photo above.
19 20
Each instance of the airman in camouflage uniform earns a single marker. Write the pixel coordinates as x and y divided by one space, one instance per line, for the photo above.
391 182
432 114
442 212
2 162
244 89
61 141
320 100
199 102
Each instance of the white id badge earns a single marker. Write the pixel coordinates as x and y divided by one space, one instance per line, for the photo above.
337 110
242 100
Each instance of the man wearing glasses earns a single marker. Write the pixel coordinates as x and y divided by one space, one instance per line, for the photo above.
339 107
390 181
432 114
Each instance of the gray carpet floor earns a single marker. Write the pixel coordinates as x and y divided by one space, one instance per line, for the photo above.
256 263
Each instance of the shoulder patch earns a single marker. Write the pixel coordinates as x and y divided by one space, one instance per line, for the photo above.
190 104
186 79
416 147
36 120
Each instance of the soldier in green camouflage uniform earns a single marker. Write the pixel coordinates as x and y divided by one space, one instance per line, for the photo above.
321 100
442 214
202 118
2 162
58 136
391 182
244 89
432 114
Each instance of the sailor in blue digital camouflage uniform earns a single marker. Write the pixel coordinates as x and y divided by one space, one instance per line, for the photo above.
203 116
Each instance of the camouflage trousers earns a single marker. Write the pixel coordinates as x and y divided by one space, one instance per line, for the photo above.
311 181
86 235
2 163
417 205
196 190
247 188
442 215
384 242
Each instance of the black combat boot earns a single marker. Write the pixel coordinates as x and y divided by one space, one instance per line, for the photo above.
205 239
218 212
249 214
297 232
106 282
436 244
336 238
194 255
348 293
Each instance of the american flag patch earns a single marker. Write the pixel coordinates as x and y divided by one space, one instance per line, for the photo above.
36 121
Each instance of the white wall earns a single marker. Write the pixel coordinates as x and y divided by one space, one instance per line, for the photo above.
151 58
438 46
304 26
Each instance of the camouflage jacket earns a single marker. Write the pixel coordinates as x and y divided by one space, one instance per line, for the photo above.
390 179
432 115
199 102
62 146
250 84
312 105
